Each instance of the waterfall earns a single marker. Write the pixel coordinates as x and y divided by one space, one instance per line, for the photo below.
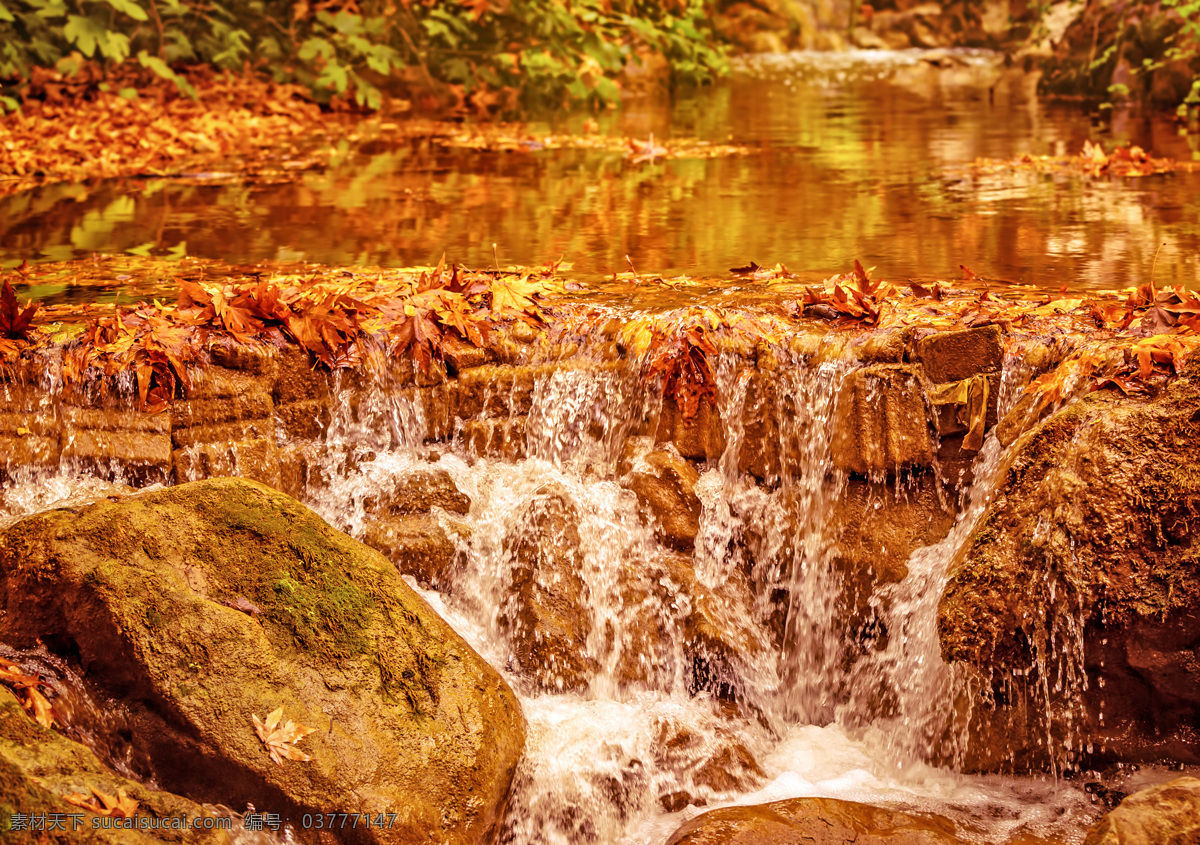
658 680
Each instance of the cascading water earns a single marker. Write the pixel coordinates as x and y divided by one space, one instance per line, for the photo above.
673 681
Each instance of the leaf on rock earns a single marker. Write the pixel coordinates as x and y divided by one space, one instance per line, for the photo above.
281 740
102 804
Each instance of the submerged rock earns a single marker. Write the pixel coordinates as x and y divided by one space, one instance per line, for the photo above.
40 769
143 594
1078 594
1166 814
815 821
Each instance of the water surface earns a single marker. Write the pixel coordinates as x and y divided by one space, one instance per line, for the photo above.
861 155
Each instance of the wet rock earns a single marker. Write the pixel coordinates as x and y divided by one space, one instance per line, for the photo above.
815 821
298 378
419 492
29 427
417 545
496 438
254 458
119 437
714 767
721 642
546 613
957 355
878 526
1087 561
667 495
882 423
410 720
1167 814
496 390
40 768
702 437
307 419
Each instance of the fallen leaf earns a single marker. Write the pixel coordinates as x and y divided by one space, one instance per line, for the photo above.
102 804
281 740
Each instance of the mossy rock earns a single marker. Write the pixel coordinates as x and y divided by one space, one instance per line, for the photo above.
1086 566
40 768
204 604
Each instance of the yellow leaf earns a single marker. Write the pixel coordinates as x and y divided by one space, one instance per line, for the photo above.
281 741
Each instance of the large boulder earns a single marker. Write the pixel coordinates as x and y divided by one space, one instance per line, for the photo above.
204 605
1078 594
1166 814
40 770
815 821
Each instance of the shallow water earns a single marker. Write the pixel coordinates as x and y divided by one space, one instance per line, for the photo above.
861 155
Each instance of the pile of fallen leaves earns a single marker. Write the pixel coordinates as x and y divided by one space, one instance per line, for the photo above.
1129 160
150 128
337 316
344 318
509 137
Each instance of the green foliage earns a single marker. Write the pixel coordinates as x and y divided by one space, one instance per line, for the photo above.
541 51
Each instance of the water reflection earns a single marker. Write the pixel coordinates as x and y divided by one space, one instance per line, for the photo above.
845 164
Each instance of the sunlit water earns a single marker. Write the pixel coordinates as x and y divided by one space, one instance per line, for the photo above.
864 155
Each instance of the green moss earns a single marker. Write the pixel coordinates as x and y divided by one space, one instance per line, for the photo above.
324 612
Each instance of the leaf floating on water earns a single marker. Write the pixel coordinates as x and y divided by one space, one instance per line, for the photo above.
281 740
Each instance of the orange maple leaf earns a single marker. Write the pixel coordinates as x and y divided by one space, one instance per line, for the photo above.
281 740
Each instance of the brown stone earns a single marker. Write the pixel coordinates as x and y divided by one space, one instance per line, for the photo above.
720 640
1091 530
496 391
39 768
419 492
461 355
216 382
879 525
882 423
126 447
304 420
299 378
716 766
815 821
257 359
409 720
229 432
28 450
956 355
417 545
496 438
700 438
1166 814
190 413
667 495
546 613
255 458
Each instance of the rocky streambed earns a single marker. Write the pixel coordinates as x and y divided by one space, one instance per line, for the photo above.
904 584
